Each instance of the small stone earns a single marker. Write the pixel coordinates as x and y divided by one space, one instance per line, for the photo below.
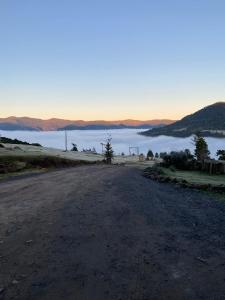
1 242
202 260
15 282
2 289
29 241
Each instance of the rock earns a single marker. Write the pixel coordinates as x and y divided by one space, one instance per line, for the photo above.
202 260
29 241
15 281
2 289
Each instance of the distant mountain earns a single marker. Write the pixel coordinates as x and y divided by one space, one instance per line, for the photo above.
25 123
209 121
9 126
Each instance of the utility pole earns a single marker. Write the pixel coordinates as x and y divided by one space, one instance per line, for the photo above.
65 140
102 147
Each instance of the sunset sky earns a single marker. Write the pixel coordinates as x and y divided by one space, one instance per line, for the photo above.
111 59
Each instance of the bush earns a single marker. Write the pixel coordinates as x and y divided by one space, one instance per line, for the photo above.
162 154
221 154
154 170
2 146
150 154
182 160
9 164
6 140
74 147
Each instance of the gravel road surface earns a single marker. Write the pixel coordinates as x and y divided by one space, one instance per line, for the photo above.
106 232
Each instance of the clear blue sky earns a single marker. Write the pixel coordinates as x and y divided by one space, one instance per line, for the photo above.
111 59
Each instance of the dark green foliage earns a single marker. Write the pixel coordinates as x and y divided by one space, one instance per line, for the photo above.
108 152
154 170
9 164
182 160
5 140
172 168
201 148
162 154
150 154
156 155
74 148
221 154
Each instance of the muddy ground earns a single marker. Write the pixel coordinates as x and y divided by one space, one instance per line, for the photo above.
99 232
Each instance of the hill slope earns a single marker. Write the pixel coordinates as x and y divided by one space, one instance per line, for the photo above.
25 123
209 121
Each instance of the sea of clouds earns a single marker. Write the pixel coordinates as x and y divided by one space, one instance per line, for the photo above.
122 139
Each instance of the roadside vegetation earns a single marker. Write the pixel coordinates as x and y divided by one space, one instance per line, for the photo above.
191 170
5 140
19 164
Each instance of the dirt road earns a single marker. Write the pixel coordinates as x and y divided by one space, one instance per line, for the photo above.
99 233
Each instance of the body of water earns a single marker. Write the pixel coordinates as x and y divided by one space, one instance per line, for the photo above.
122 139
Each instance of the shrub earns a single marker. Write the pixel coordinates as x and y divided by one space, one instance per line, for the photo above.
182 160
154 170
162 154
150 154
221 154
6 140
74 147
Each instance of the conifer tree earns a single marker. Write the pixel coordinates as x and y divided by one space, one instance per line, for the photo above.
108 152
201 148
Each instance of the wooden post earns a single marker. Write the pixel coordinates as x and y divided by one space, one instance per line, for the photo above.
210 168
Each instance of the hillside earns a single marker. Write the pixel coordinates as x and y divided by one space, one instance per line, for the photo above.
209 121
26 123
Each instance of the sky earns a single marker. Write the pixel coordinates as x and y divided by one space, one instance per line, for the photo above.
111 59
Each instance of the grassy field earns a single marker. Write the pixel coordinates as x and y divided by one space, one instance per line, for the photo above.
196 177
13 150
28 159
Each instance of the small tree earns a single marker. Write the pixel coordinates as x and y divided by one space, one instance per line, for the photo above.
157 155
74 148
150 154
162 154
108 152
221 154
201 148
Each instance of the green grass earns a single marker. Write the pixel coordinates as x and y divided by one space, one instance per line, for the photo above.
195 177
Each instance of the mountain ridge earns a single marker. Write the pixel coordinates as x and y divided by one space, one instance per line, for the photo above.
208 121
28 123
